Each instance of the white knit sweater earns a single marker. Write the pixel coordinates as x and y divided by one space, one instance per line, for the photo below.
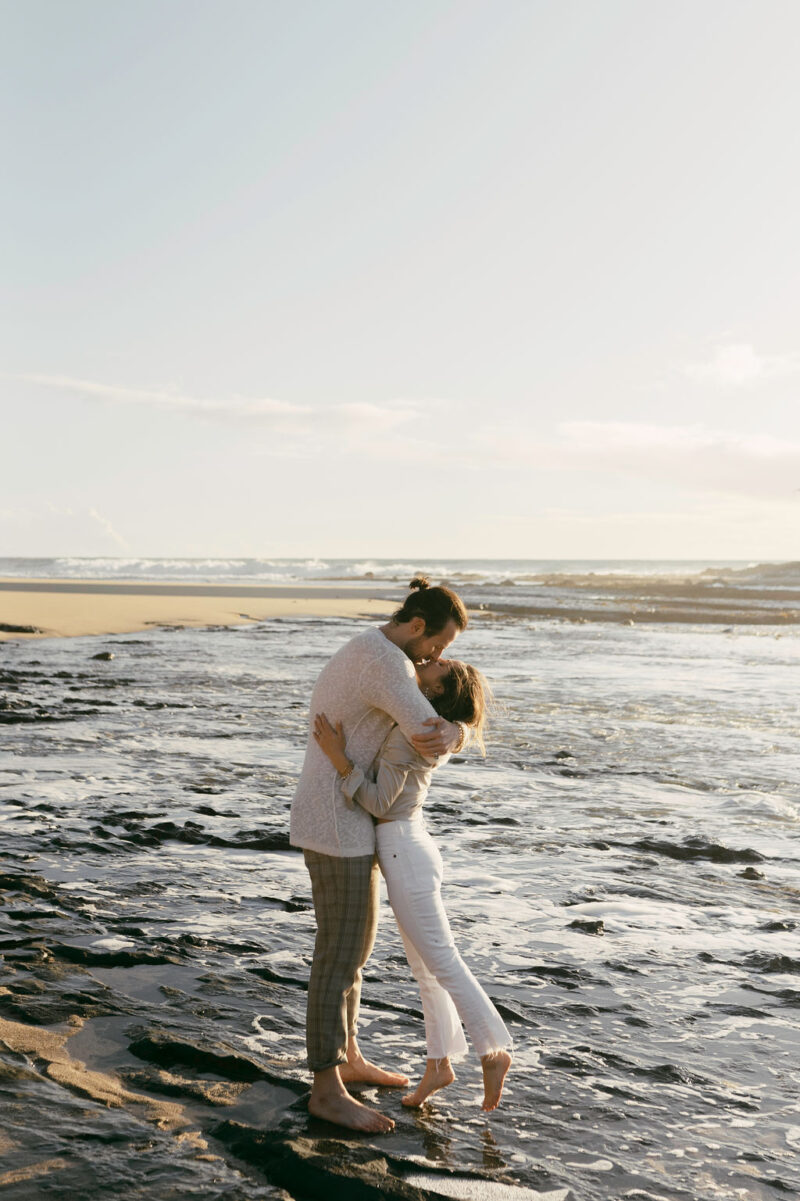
368 685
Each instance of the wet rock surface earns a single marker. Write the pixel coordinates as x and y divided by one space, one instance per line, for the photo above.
156 928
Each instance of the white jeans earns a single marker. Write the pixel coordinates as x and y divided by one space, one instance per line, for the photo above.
412 866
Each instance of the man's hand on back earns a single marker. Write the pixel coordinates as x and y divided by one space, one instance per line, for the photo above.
441 737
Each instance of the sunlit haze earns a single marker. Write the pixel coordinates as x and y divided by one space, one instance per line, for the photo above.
507 279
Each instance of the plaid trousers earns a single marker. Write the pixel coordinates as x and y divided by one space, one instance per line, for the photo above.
345 894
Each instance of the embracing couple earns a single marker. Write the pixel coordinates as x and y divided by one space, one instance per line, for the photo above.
386 710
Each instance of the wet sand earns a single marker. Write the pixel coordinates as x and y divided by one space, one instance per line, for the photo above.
48 1048
37 608
65 608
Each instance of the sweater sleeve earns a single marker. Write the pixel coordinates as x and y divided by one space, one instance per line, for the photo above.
378 795
387 684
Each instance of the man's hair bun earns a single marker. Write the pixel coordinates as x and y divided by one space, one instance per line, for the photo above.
436 605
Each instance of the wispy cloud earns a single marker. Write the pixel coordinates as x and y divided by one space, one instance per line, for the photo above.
692 458
278 415
108 529
738 365
35 529
87 519
234 406
634 437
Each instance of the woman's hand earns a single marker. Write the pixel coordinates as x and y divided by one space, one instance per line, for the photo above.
332 741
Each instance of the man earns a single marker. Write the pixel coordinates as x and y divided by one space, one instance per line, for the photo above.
369 685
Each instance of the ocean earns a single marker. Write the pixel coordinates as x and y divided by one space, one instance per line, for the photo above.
622 871
477 572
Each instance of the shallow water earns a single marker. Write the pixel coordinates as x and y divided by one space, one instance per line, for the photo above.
621 872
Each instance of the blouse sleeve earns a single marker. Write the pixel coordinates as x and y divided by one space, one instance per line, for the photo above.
378 795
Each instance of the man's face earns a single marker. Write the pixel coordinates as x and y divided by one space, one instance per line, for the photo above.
420 647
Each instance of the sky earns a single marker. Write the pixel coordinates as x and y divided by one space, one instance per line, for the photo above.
369 278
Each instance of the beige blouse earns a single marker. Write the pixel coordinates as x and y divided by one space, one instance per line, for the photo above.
397 788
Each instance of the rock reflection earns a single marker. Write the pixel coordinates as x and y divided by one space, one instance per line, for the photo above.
437 1145
490 1152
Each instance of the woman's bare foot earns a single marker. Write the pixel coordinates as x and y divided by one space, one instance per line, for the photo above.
438 1074
344 1110
495 1066
360 1071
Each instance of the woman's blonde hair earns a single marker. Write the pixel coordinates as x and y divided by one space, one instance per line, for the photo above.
466 697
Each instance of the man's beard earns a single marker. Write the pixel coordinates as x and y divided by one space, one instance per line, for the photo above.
414 650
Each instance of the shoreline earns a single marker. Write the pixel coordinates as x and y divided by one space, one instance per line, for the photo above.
64 608
33 609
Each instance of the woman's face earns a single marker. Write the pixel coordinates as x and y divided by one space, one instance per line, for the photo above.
431 676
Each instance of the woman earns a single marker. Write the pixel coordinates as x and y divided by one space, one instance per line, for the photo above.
412 867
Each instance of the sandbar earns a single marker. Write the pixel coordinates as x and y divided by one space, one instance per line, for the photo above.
67 608
38 608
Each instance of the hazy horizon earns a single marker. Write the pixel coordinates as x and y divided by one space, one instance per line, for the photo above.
365 559
387 558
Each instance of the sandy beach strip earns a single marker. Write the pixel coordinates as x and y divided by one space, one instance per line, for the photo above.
37 608
66 608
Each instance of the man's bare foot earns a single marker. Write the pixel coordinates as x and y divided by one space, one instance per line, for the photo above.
495 1066
360 1071
438 1074
344 1110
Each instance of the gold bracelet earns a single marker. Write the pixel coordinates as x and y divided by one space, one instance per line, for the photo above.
463 728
